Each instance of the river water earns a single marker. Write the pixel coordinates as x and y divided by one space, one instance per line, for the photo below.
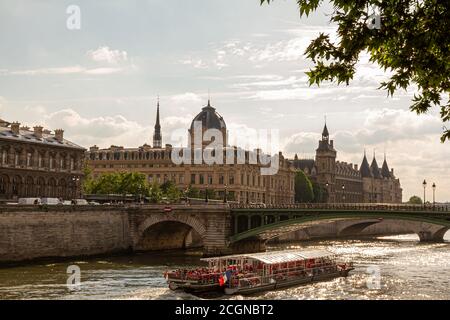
407 270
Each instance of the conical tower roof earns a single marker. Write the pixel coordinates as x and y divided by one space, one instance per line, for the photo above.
325 131
375 169
365 169
385 170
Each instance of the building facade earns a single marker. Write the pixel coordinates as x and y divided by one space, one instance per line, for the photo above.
344 182
243 182
38 163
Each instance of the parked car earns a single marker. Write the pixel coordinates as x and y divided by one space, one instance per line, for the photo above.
51 201
94 203
80 202
29 201
67 203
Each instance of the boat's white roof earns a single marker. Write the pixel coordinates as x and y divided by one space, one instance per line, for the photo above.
276 257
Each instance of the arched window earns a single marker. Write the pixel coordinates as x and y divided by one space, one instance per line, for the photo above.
29 159
16 158
4 157
16 182
52 162
40 160
52 187
29 184
4 181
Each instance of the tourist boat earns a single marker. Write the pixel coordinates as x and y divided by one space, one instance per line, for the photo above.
256 272
199 280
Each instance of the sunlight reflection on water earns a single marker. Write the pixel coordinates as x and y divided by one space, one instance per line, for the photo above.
409 270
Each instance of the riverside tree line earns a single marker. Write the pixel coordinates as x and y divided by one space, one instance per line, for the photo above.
135 183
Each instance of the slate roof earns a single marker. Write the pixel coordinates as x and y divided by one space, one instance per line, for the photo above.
29 137
210 119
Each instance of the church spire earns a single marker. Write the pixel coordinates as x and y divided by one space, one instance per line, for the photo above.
157 137
325 133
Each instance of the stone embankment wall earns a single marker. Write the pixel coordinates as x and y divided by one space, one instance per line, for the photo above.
27 233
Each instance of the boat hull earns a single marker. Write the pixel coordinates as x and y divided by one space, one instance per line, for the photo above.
286 283
195 288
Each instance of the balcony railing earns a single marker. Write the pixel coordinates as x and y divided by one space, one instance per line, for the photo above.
347 206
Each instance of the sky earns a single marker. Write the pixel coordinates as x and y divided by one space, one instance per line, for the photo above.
100 82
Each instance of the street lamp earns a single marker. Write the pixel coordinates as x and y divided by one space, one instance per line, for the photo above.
75 183
343 192
140 193
225 195
328 192
206 190
424 183
434 193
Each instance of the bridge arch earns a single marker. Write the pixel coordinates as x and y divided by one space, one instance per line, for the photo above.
428 227
356 228
169 232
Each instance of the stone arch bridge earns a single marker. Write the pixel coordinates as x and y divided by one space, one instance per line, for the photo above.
31 232
222 228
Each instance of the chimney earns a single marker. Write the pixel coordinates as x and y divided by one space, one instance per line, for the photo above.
356 167
331 142
15 126
38 132
93 148
59 135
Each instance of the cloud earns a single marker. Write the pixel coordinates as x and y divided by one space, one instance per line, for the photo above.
105 54
64 71
277 81
186 97
113 58
103 71
44 71
102 131
302 143
196 63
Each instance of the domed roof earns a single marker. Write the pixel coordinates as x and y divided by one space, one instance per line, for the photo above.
210 119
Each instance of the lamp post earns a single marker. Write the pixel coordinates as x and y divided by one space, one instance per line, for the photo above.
225 195
206 190
75 181
343 192
328 192
434 193
424 184
140 193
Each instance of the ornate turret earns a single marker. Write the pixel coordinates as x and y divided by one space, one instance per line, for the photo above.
325 144
325 134
157 137
365 169
326 163
375 169
385 172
